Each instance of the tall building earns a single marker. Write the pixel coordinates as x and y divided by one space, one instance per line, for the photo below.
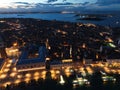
66 51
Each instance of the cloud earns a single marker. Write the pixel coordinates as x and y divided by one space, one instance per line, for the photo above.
100 5
85 3
110 7
20 2
104 5
16 6
64 0
51 1
23 5
106 2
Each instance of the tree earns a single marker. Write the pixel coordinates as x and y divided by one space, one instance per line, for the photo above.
96 80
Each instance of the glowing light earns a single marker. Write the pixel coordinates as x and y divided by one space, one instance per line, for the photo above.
15 44
14 50
67 70
22 70
53 75
43 76
110 40
47 58
44 72
118 71
7 83
6 70
62 81
67 74
114 71
13 74
49 47
19 76
81 69
114 79
27 80
3 76
14 69
17 81
103 73
106 70
8 65
112 45
52 71
67 60
90 71
57 72
96 56
36 74
28 75
84 45
36 78
10 61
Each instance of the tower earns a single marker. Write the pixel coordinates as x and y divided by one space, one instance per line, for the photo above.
83 50
70 51
47 57
47 44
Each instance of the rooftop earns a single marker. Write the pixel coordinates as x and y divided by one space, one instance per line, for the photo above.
25 60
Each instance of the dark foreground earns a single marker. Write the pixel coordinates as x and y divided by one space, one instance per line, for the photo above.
96 83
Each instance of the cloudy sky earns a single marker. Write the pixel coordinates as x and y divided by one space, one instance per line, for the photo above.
46 1
31 5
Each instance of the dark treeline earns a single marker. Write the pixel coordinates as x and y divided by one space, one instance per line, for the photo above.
96 83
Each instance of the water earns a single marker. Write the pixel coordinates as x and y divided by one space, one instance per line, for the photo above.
44 16
70 17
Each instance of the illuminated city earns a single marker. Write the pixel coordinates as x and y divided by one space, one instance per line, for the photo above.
44 54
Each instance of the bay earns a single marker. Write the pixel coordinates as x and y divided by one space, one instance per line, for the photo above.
113 21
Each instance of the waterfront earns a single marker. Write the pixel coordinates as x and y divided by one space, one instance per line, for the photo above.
113 21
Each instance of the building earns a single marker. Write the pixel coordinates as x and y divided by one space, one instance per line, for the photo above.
12 52
24 63
66 51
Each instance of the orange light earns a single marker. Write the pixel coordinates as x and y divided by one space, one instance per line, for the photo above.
15 44
83 46
36 74
17 81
